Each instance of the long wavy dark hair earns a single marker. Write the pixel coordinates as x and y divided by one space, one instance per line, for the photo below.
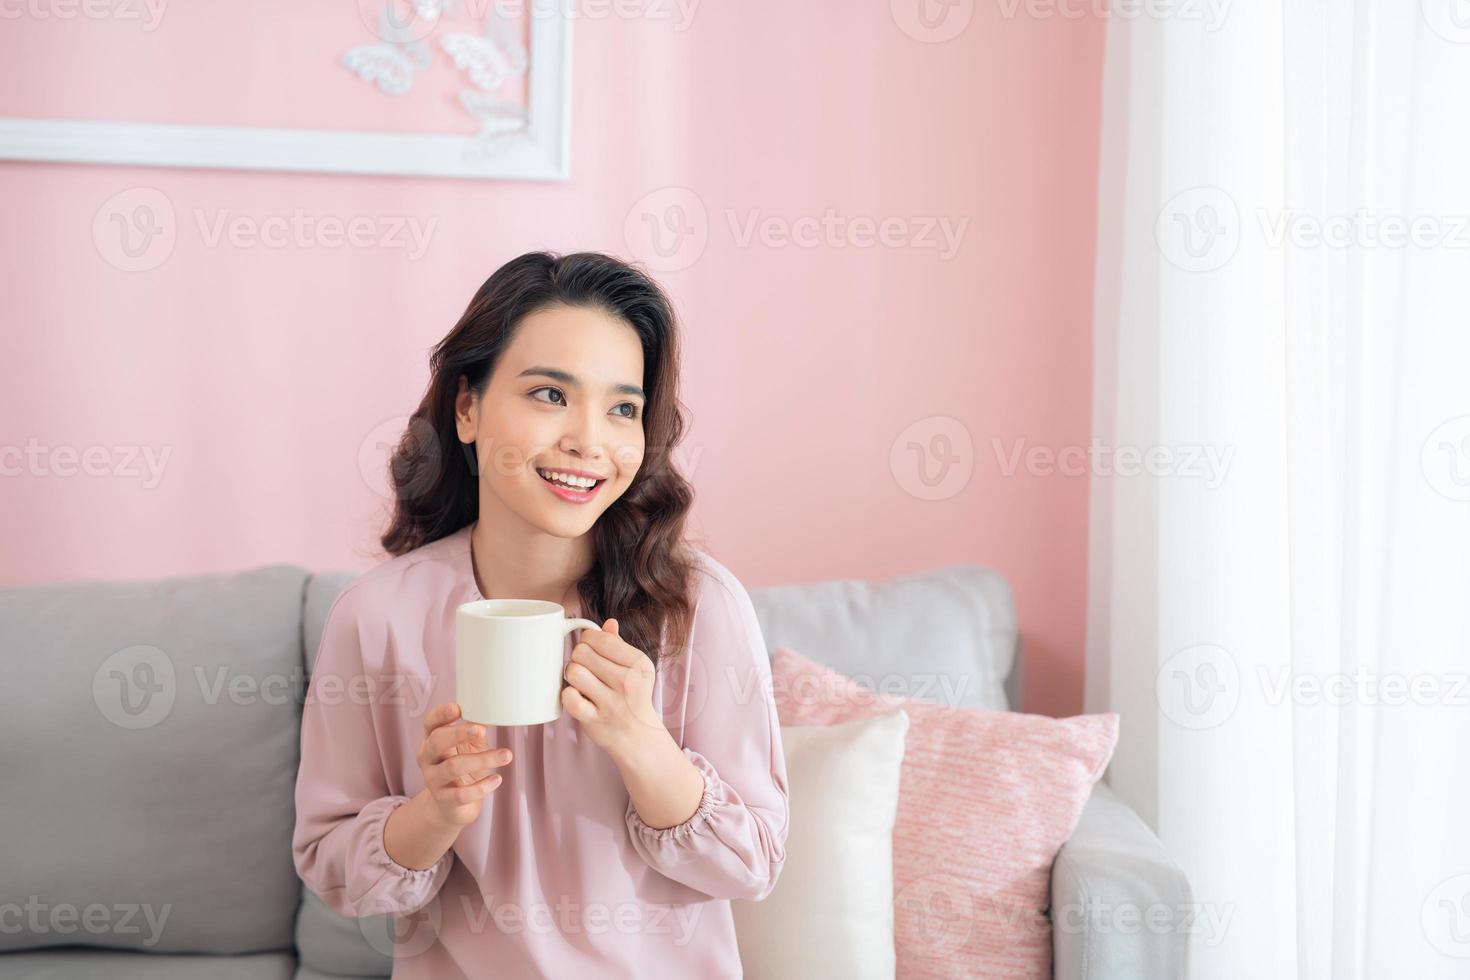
643 566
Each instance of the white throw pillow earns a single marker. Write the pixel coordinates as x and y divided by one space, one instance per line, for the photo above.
831 912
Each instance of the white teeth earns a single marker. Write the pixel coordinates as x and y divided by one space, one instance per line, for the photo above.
575 482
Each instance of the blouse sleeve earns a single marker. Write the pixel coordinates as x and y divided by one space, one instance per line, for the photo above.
719 707
342 797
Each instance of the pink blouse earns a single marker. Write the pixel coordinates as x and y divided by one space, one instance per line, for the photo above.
559 877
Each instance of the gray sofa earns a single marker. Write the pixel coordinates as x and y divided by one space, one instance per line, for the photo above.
148 740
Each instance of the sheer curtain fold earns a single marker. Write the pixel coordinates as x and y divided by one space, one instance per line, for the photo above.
1284 278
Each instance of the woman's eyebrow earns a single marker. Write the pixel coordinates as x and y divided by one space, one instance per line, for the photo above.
571 380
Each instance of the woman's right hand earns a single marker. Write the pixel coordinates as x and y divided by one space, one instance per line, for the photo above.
457 765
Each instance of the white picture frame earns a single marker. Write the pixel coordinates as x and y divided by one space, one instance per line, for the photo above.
541 153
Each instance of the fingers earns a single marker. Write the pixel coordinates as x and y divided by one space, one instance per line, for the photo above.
614 648
606 671
576 705
451 740
473 765
442 715
468 793
588 684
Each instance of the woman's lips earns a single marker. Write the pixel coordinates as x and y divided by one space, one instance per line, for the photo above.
568 494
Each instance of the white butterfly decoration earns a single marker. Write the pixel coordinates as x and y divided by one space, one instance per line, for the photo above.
491 56
500 123
390 62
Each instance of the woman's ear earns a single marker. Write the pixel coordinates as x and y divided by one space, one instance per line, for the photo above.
464 412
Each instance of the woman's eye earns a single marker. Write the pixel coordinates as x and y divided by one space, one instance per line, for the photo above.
632 407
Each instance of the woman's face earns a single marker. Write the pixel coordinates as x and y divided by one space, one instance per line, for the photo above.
565 395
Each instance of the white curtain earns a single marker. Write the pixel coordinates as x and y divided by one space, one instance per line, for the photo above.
1283 286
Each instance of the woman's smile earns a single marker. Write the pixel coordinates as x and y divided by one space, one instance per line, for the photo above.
572 494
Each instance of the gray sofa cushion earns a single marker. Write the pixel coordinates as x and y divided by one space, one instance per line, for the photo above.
148 736
946 635
70 963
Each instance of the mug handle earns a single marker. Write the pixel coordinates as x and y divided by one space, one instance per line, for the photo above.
578 624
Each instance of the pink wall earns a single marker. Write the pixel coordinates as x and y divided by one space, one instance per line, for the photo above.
262 371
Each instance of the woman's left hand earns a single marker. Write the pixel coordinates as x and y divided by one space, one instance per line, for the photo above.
611 692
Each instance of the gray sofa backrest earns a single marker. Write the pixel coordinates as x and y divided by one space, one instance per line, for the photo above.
148 743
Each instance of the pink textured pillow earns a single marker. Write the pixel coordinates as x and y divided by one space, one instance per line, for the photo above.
985 800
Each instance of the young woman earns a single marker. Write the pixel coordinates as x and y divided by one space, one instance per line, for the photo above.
610 842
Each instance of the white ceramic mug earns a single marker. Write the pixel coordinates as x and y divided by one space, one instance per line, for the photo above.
509 658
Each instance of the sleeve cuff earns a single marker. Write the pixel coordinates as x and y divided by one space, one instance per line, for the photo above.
378 851
712 798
